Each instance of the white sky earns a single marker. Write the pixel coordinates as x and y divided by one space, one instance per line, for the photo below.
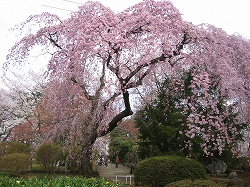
230 15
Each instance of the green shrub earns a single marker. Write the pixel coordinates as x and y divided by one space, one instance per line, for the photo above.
242 182
48 155
244 163
159 171
196 183
17 148
37 168
12 147
15 163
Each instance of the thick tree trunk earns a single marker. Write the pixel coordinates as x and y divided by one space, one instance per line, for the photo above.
86 166
82 164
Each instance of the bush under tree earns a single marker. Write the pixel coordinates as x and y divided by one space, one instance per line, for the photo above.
48 155
15 163
159 171
17 148
196 183
12 147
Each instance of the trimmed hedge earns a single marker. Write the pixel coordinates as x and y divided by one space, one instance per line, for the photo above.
196 183
159 171
15 163
243 182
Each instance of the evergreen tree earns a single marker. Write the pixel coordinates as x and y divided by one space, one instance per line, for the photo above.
181 118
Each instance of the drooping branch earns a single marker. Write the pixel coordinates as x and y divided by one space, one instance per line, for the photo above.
89 97
101 115
186 39
163 57
138 29
98 91
53 41
179 46
113 69
139 81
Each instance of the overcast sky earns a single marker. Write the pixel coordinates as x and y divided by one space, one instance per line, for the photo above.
230 15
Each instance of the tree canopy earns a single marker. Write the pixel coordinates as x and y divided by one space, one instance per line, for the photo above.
98 57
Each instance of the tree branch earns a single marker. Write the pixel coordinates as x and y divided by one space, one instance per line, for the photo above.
89 97
163 57
127 112
53 41
124 82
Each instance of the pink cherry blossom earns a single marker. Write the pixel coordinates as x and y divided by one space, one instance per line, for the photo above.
99 57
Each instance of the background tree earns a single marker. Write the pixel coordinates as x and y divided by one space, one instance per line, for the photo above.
20 100
212 115
98 56
159 120
164 123
5 114
123 142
